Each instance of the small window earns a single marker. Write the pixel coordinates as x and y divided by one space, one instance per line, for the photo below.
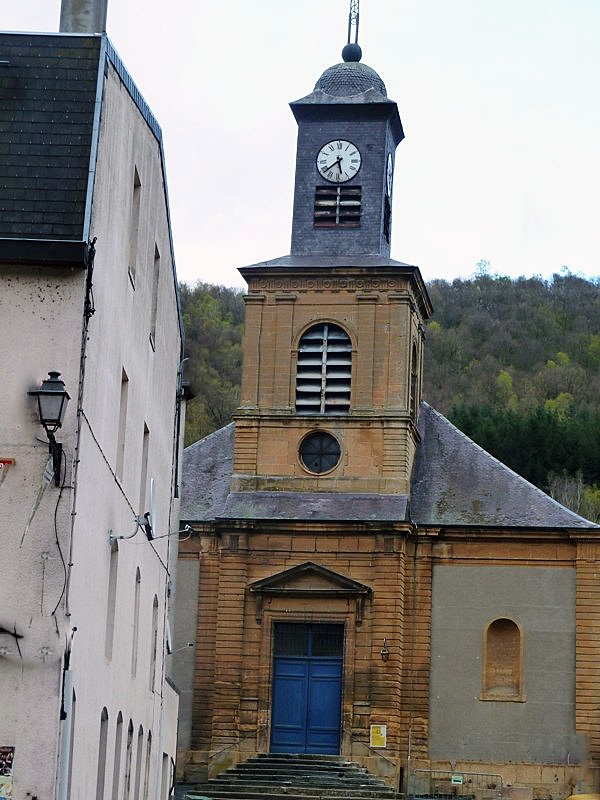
122 429
101 771
324 371
134 225
337 207
117 756
136 622
154 643
154 301
319 452
414 383
503 661
387 219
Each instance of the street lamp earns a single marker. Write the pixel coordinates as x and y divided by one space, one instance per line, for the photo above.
52 400
385 651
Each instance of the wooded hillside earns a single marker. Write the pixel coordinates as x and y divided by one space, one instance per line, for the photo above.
514 363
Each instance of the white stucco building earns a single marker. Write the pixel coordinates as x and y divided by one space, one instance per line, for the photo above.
87 707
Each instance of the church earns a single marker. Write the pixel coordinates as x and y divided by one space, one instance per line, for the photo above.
362 579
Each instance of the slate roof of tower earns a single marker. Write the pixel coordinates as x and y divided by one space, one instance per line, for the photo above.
47 98
350 78
455 483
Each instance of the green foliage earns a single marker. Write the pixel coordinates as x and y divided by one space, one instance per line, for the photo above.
592 352
560 405
213 318
590 506
505 395
537 443
544 334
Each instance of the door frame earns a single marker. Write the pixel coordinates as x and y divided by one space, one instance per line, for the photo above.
310 661
341 616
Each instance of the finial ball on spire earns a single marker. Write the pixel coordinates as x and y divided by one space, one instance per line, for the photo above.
352 52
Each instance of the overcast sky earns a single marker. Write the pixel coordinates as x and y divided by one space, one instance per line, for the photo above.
499 99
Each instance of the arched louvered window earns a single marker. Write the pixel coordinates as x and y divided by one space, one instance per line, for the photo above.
324 371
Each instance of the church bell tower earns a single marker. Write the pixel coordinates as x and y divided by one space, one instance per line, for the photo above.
348 131
334 331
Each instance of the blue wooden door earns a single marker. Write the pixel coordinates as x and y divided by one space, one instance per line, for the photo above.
307 688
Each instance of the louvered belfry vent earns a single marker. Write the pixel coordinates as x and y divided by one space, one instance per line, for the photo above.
337 207
324 371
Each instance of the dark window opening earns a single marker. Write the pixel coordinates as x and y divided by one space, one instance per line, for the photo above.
337 207
300 639
414 383
387 219
320 452
324 371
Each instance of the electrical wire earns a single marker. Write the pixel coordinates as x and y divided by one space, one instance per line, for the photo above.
106 461
60 552
166 536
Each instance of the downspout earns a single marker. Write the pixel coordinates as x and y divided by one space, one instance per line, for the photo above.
66 724
65 734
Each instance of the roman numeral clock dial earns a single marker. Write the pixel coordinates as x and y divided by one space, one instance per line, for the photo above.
338 161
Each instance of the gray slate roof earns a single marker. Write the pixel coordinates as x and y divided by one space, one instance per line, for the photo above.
319 261
325 506
207 470
47 99
455 483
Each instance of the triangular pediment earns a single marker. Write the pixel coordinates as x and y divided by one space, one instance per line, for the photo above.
309 578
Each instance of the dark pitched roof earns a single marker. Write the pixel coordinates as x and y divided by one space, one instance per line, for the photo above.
456 482
47 99
207 470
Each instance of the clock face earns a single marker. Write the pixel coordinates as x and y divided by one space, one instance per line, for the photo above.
338 161
389 174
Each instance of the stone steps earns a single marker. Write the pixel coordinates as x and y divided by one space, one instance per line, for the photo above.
294 777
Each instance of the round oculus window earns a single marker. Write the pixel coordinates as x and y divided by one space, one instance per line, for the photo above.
320 452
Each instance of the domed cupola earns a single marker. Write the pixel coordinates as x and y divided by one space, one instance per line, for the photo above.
350 77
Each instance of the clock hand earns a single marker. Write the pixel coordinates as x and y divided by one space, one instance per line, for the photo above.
336 163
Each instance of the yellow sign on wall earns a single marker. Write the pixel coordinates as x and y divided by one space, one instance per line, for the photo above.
378 735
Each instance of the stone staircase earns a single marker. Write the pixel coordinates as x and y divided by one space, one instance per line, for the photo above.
294 777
